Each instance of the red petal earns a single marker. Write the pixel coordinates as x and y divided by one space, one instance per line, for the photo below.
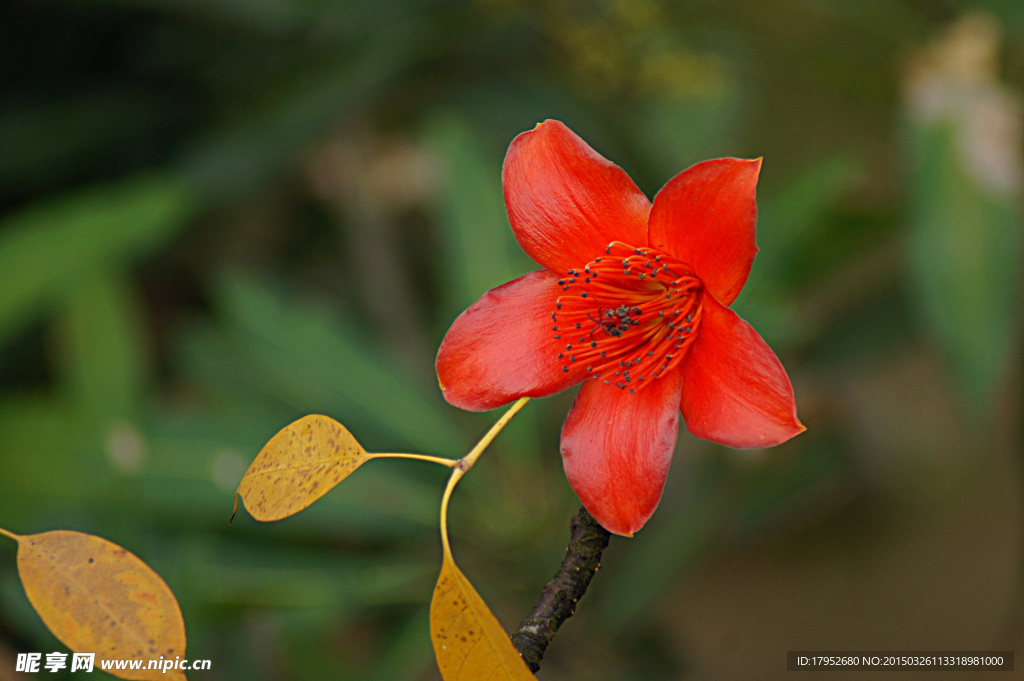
566 202
706 216
617 447
735 391
503 348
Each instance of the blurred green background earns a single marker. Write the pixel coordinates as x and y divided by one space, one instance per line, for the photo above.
217 216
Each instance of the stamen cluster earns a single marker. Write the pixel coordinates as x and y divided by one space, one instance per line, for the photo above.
629 317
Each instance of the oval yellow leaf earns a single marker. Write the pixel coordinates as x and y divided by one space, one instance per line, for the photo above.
300 464
97 597
469 644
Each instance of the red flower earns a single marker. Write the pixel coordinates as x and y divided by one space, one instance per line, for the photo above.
633 303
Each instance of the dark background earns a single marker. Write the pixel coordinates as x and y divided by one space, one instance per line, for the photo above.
218 216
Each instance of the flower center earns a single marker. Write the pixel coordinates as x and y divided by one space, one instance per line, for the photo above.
629 317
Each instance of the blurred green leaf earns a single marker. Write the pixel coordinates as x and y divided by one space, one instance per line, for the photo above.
73 136
965 252
43 440
303 354
675 134
480 250
46 248
104 355
408 654
797 215
792 224
255 145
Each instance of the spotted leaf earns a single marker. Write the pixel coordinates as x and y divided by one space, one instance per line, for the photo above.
300 464
469 644
97 597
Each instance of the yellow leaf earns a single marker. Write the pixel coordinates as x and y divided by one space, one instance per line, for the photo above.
469 644
300 464
97 597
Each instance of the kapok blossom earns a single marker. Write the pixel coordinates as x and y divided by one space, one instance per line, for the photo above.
632 303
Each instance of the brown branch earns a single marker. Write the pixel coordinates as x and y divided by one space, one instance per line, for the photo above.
558 601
